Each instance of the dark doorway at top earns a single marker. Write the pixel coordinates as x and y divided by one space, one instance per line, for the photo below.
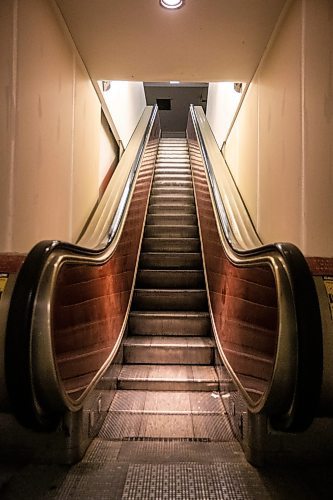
173 101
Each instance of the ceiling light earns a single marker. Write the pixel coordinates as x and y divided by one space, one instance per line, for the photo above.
171 4
174 82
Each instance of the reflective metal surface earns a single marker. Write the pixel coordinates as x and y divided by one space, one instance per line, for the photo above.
231 247
58 376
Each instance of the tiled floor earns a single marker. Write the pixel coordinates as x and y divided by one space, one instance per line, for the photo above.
164 446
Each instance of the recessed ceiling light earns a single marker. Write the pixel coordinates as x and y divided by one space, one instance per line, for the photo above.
171 4
174 82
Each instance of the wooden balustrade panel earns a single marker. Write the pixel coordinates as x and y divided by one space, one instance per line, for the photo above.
320 266
11 262
243 299
91 301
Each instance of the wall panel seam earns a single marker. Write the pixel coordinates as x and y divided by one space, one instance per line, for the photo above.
13 112
303 160
71 182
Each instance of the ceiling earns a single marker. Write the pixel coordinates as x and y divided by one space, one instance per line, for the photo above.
206 40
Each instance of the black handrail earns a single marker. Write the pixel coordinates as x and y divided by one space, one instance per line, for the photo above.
307 387
309 358
18 350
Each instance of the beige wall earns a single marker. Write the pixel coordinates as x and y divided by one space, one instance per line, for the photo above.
86 149
242 151
126 102
7 118
50 126
108 150
280 148
222 102
318 127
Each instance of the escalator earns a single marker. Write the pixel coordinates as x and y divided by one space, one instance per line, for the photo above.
169 289
163 350
263 302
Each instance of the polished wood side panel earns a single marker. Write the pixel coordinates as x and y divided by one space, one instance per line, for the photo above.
243 299
90 301
11 262
320 266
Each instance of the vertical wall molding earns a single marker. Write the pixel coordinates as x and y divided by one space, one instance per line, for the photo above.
71 174
303 160
13 111
258 221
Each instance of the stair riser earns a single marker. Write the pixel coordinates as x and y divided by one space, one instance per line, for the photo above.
173 170
164 176
158 300
170 152
173 183
168 168
168 159
170 279
168 356
172 198
173 150
169 220
169 261
171 231
168 172
179 152
167 209
166 190
185 326
171 245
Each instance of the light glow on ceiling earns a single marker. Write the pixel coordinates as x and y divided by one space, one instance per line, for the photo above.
171 4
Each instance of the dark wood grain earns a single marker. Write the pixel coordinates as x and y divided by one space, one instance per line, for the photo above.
90 302
243 299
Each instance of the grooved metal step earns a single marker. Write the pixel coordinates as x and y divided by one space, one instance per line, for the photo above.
169 300
168 350
169 323
163 147
171 245
172 182
152 231
177 148
180 156
181 159
172 170
176 190
173 403
165 209
168 378
166 165
152 278
183 199
170 219
155 260
178 174
178 160
172 152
